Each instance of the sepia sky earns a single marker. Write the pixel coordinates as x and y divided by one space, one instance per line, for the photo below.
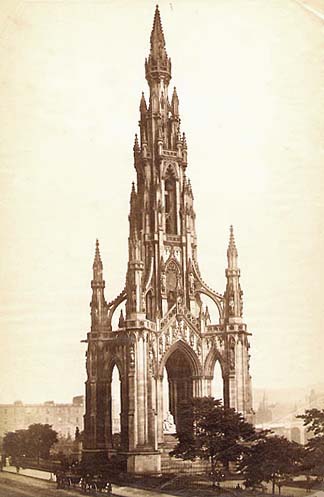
250 79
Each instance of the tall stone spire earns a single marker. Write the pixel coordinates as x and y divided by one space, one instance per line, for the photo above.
232 251
98 303
157 36
97 265
158 65
143 106
233 293
166 322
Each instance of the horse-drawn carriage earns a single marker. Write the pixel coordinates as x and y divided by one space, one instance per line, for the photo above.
67 479
89 483
96 483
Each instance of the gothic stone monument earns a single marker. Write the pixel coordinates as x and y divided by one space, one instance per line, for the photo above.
166 329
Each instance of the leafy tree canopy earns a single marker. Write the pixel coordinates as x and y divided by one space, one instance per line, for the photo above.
314 459
271 458
314 420
15 444
35 442
210 431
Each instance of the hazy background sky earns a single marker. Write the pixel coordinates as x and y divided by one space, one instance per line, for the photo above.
250 78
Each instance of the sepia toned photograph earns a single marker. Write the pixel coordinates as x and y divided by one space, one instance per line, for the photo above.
162 241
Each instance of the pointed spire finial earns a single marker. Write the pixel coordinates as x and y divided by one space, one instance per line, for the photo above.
143 106
97 251
133 199
121 322
97 263
175 103
158 64
232 250
136 145
232 239
184 140
157 30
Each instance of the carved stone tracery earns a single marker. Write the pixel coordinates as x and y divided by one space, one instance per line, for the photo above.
167 329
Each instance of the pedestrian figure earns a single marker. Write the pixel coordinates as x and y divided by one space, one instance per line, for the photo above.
109 488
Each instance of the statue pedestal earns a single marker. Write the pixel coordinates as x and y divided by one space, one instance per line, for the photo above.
144 462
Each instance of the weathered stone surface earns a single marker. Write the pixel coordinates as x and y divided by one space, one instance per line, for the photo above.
165 328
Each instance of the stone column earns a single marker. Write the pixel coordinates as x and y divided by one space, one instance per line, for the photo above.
151 408
124 413
232 390
160 404
108 416
141 404
239 373
132 399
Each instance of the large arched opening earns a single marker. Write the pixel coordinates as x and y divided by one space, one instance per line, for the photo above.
217 383
214 371
177 388
115 408
115 400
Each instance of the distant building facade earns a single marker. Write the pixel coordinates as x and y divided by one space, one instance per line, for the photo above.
281 418
64 418
263 413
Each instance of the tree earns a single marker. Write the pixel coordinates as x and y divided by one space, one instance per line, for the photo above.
314 458
41 437
15 444
314 420
35 442
271 458
212 432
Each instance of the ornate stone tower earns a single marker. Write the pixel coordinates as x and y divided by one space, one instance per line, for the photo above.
166 331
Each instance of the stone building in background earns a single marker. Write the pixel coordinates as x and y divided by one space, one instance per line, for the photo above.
165 327
64 418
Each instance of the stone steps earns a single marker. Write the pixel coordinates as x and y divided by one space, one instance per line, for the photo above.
175 465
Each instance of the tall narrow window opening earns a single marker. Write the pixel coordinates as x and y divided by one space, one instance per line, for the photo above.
170 205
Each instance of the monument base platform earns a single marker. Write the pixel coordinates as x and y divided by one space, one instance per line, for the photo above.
144 462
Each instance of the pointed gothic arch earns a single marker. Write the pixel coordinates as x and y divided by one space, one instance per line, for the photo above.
182 367
116 364
213 356
188 352
170 169
115 361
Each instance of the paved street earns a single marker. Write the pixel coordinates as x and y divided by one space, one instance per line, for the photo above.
13 485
